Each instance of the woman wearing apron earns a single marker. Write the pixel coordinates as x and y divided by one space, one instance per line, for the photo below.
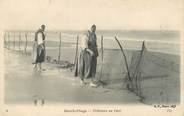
88 57
39 48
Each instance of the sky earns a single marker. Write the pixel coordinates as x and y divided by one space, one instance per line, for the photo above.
81 14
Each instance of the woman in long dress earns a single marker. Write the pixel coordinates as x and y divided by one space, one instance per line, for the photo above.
88 57
39 48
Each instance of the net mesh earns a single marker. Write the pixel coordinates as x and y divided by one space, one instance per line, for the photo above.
153 78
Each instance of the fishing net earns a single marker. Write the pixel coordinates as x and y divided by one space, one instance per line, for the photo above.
153 78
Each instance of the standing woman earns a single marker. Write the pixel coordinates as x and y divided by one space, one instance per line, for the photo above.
92 46
39 48
88 57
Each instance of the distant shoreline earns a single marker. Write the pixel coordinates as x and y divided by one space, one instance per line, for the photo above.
100 30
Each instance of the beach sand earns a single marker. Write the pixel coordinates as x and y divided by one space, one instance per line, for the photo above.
160 74
59 85
55 86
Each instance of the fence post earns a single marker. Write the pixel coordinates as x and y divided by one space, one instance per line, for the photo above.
102 48
4 36
19 40
14 41
25 43
126 63
59 55
76 52
102 57
9 40
6 39
76 59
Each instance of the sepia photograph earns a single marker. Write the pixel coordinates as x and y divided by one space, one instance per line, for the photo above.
92 53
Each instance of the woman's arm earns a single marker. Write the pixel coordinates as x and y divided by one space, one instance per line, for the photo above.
90 51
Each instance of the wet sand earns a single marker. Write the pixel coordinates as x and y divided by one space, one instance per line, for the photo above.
160 80
23 85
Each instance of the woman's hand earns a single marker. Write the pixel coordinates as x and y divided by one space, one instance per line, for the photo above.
90 51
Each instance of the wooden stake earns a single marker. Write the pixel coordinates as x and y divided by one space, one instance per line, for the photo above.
76 58
102 52
19 40
14 41
59 54
76 51
26 42
126 63
8 40
5 42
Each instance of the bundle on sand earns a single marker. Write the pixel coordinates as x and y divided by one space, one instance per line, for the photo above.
61 63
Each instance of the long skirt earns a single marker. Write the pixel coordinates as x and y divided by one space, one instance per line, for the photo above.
87 65
38 53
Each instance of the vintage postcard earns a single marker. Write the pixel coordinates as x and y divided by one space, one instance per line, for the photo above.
91 57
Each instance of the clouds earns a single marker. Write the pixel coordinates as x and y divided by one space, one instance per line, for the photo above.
80 14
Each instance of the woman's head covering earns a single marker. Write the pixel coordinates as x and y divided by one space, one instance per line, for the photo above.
43 27
93 28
